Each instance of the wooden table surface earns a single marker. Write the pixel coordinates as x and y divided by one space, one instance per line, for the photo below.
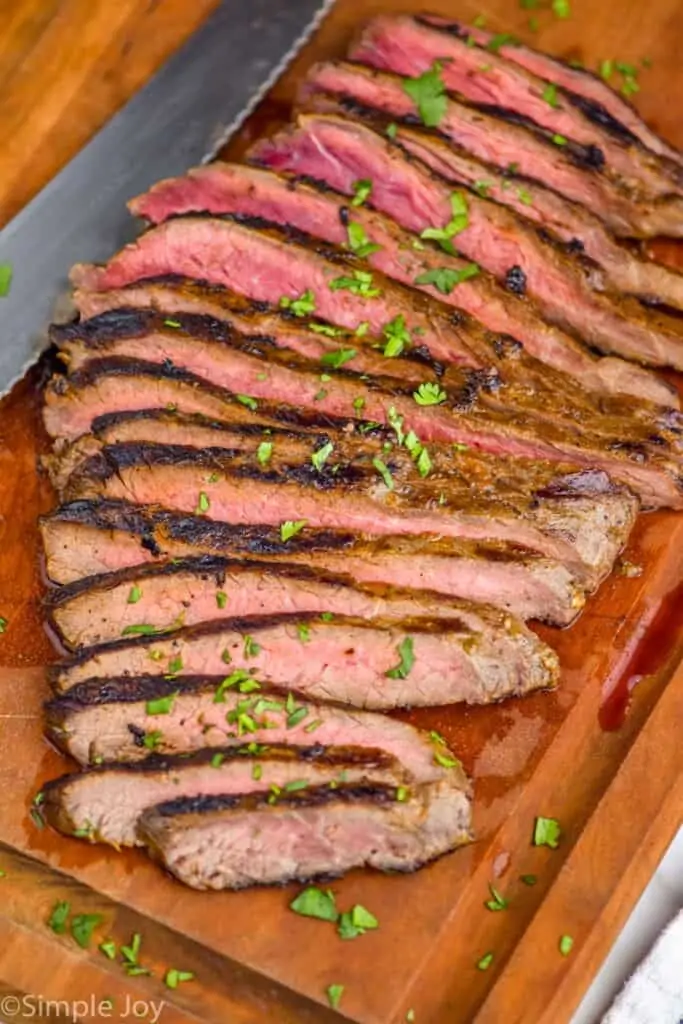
65 67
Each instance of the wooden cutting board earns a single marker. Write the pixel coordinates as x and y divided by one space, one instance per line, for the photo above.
611 777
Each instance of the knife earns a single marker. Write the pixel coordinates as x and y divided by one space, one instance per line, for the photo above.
180 118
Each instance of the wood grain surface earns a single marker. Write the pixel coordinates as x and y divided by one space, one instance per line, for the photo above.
65 67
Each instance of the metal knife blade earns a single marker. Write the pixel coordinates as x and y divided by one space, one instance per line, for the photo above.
180 118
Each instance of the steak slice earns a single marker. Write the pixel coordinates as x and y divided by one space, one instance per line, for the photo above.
236 189
86 538
577 227
617 377
604 105
98 610
499 138
103 722
340 152
104 804
207 349
408 46
481 656
253 371
587 526
233 842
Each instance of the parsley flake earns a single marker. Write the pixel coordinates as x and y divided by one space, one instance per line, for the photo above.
334 994
359 284
361 191
485 962
291 527
429 394
458 222
384 472
359 242
174 978
428 93
497 901
547 832
83 926
134 594
264 452
566 944
445 279
6 274
559 140
221 599
320 457
59 916
203 504
338 357
303 306
550 95
162 706
247 400
406 662
313 902
396 335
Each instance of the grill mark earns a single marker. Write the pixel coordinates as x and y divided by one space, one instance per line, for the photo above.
595 112
312 796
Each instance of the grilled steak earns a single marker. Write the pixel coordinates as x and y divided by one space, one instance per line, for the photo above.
504 142
232 842
605 106
225 188
340 151
504 575
478 657
409 46
104 804
103 722
207 588
453 416
85 538
579 229
583 526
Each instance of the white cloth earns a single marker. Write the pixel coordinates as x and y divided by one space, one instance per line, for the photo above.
654 993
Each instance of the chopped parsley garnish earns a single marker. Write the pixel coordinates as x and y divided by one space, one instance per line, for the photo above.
174 977
264 452
152 739
547 832
356 922
247 400
203 503
566 944
221 599
161 706
423 462
313 902
559 140
358 404
257 772
391 130
410 1016
528 879
444 279
312 726
134 594
396 424
445 761
497 901
401 794
359 242
338 357
295 785
525 197
458 222
326 329
362 329
428 93
485 962
361 191
83 926
502 39
384 472
290 528
140 629
303 306
429 394
406 662
482 188
320 457
213 478
326 616
334 994
550 95
6 273
561 8
606 69
3 625
131 953
172 323
217 760
359 284
175 666
480 21
304 632
296 717
59 916
108 949
236 678
397 336
251 648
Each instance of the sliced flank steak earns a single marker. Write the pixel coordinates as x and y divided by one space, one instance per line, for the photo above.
482 655
408 46
583 531
232 188
505 575
605 106
233 842
579 228
115 720
508 142
104 804
340 151
483 507
466 408
207 588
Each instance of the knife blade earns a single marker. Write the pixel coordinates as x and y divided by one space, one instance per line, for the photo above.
182 117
